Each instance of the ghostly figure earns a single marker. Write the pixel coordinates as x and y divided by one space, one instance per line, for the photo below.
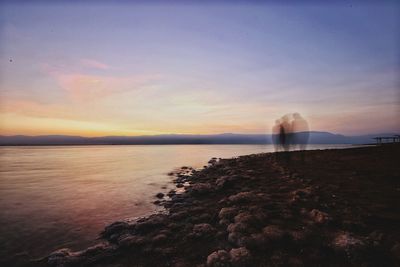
290 132
281 133
275 135
300 131
285 131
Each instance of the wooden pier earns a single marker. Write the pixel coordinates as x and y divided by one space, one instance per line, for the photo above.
387 139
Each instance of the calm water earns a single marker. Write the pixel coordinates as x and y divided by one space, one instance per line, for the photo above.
63 196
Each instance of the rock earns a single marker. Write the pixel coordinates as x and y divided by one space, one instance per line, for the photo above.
227 213
65 257
97 252
219 258
131 241
295 262
221 235
212 161
177 180
224 201
160 195
243 217
237 227
240 257
235 238
171 193
151 223
115 228
173 226
376 235
300 195
203 230
241 198
319 217
298 236
252 220
377 238
346 241
396 251
177 216
241 229
200 189
180 263
160 238
224 222
278 258
224 182
165 231
254 241
164 251
178 206
177 198
204 217
60 257
272 233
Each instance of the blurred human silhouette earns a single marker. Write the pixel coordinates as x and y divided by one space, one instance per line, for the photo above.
281 133
285 132
290 132
300 131
275 134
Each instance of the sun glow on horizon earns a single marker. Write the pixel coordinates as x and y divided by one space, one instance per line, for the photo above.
197 69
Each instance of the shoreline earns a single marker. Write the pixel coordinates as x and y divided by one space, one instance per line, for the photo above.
179 144
254 210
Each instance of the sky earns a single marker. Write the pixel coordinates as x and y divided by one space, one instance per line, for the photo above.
146 68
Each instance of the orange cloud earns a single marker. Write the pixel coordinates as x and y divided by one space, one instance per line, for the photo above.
32 108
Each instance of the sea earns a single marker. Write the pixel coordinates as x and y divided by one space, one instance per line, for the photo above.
53 197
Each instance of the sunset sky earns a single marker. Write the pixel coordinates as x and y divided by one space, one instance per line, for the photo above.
138 69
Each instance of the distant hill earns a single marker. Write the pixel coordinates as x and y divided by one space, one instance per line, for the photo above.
315 138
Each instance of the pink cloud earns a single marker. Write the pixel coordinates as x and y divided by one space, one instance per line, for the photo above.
82 86
85 87
94 64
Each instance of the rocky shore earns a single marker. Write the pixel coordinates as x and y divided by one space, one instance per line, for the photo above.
311 208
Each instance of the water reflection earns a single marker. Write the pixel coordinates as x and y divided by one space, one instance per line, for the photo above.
52 197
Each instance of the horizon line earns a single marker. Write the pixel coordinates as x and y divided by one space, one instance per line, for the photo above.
190 134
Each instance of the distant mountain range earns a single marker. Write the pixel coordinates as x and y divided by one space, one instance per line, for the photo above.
226 138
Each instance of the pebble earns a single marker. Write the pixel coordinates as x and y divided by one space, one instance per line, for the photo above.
220 258
272 233
115 228
241 198
203 230
396 250
240 257
346 240
200 189
319 217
